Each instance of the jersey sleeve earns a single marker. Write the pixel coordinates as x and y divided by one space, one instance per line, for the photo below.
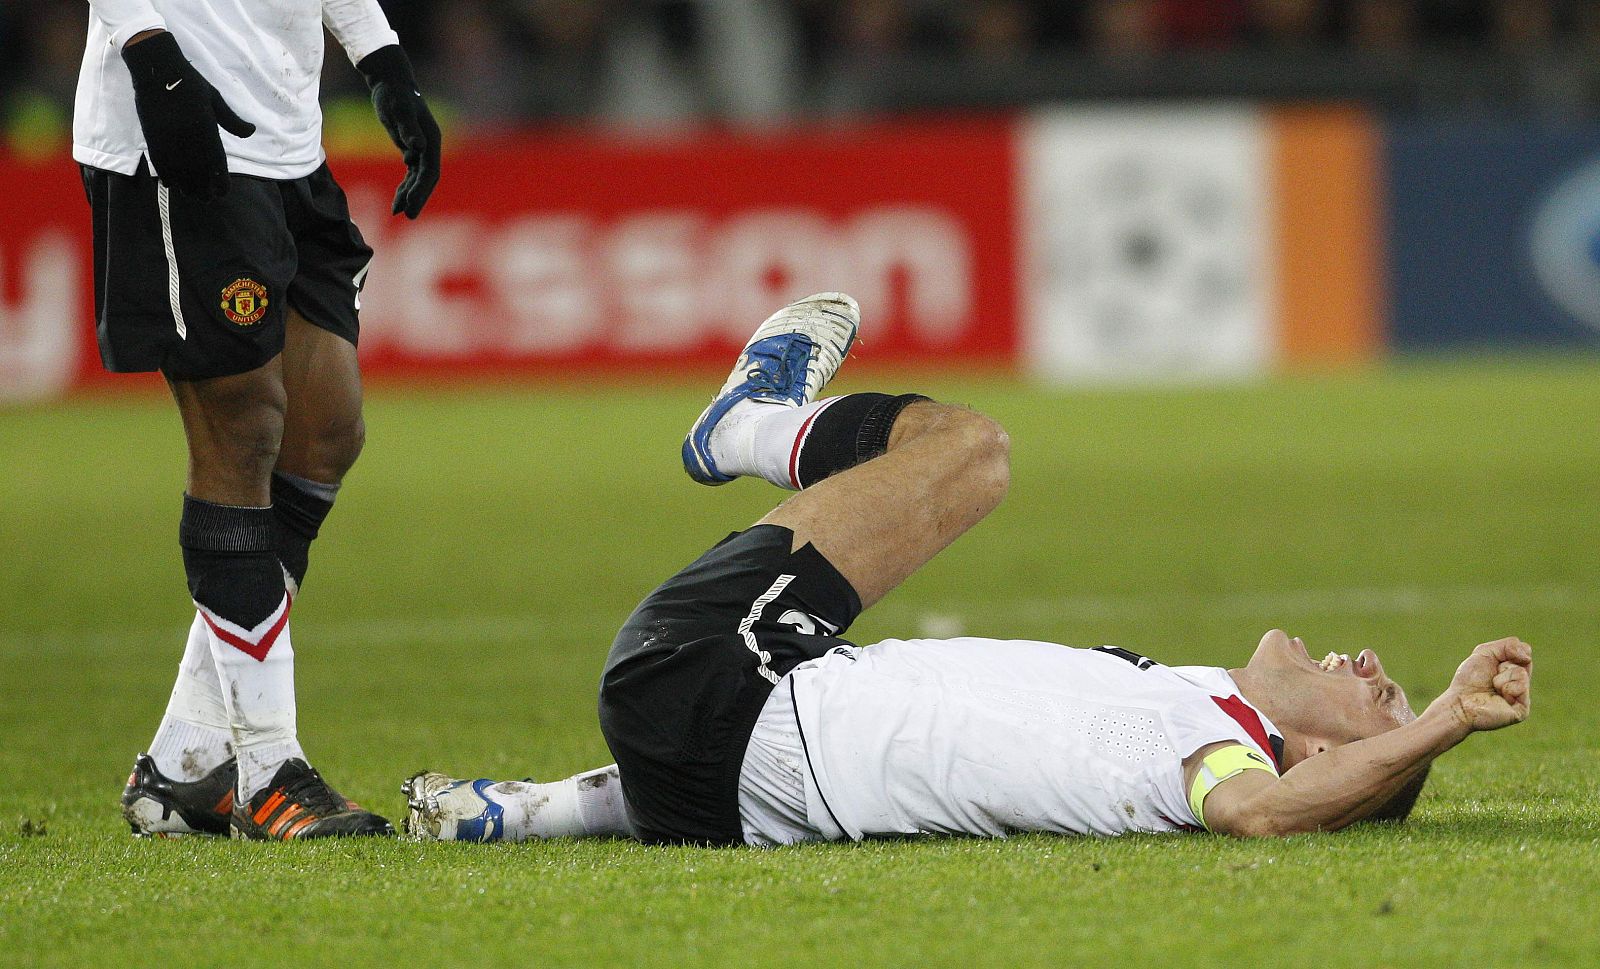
126 18
359 26
1218 766
1201 719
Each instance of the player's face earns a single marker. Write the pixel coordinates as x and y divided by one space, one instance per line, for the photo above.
1341 698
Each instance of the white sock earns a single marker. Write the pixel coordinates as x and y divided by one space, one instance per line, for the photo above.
588 805
258 694
763 439
194 737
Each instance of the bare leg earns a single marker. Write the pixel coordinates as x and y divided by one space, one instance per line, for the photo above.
945 469
233 426
322 436
323 431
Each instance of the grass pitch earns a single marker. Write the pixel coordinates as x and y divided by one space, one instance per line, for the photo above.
463 595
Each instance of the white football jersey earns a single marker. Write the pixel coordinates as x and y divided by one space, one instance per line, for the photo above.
989 737
263 56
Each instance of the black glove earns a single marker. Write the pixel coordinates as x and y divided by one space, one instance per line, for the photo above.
179 112
409 122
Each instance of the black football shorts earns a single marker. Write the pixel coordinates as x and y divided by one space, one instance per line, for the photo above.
690 671
202 289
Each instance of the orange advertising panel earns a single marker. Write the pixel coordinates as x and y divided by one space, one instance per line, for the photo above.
1330 299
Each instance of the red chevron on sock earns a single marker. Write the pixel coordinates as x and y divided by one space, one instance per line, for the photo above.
260 645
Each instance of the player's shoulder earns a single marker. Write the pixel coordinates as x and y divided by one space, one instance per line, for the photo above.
1199 680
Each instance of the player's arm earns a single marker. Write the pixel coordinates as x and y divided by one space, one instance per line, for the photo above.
179 111
1342 786
363 31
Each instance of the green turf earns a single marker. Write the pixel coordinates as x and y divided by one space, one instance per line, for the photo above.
490 541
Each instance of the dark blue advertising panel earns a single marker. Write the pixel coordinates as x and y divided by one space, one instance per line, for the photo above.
1494 234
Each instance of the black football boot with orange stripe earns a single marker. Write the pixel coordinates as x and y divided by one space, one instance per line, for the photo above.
157 806
298 803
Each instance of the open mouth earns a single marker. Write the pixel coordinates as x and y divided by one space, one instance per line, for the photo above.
1361 665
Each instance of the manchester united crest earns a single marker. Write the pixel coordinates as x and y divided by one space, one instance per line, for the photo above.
244 301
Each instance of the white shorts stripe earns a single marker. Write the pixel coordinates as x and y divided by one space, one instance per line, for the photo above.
162 202
360 280
749 621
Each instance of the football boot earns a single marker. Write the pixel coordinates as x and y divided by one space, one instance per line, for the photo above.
441 808
788 361
157 806
298 804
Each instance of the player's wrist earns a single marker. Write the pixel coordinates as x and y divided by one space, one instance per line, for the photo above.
1447 716
143 35
155 58
388 64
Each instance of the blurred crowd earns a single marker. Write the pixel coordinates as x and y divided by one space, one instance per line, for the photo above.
502 62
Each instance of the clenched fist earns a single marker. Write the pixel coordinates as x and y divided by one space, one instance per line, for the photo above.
1491 687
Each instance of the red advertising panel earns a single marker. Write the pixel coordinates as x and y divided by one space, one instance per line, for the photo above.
586 251
46 284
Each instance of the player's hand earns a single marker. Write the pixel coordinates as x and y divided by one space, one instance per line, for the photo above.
179 112
1491 687
409 122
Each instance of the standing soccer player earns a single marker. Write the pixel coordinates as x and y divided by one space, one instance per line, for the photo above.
225 257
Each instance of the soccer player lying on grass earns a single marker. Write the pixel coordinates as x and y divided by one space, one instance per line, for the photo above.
737 715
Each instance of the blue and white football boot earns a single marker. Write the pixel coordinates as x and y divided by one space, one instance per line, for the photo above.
447 809
791 357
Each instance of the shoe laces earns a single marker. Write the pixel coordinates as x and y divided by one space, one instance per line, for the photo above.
312 792
771 368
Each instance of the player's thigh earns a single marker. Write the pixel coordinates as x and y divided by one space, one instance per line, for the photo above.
877 523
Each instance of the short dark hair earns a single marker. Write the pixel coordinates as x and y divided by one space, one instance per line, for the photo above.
1398 808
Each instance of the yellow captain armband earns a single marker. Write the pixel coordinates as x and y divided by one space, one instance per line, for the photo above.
1217 767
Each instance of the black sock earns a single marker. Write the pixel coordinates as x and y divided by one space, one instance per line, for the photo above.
230 556
848 432
300 514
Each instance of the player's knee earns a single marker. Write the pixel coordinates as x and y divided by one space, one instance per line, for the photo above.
355 441
254 447
326 450
987 448
244 448
996 452
341 445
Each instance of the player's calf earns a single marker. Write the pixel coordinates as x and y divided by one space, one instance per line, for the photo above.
234 429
